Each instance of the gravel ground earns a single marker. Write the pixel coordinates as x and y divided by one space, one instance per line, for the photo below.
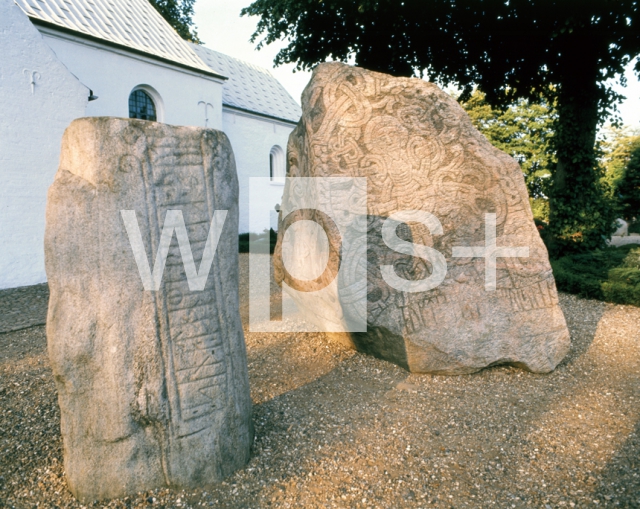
338 429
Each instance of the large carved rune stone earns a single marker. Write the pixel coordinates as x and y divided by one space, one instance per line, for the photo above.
153 386
436 185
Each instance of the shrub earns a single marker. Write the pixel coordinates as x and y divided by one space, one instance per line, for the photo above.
611 274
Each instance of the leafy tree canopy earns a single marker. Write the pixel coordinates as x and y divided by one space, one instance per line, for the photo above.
512 48
524 130
617 146
628 189
564 50
179 14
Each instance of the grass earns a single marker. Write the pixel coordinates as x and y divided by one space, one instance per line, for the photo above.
611 274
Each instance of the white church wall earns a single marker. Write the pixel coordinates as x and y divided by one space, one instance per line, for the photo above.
112 74
252 138
32 120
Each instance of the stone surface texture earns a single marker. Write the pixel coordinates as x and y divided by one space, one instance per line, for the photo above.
153 385
419 151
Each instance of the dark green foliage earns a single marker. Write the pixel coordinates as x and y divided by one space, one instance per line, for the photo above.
581 213
563 50
512 48
243 242
628 189
265 241
611 274
179 14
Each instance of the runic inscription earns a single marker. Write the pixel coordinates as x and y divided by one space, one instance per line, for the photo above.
178 181
153 385
419 152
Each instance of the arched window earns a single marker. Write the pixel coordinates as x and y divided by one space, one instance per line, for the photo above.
277 165
142 106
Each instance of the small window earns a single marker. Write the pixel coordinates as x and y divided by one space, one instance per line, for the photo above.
276 165
142 106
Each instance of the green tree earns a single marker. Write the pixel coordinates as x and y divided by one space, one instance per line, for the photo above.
629 187
564 50
524 130
178 14
617 146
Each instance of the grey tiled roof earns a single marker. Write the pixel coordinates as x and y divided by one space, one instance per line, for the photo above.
250 87
134 24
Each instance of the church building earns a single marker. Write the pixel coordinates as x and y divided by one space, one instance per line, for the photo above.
65 59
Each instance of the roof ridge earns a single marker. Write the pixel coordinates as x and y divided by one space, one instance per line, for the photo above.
245 62
250 87
133 24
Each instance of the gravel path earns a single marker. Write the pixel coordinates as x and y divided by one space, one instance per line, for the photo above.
338 429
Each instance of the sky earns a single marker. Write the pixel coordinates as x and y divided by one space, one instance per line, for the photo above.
220 26
222 29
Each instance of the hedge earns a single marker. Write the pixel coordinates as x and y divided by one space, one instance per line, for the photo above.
611 274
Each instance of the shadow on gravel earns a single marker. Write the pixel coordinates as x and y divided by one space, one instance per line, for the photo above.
502 436
620 480
339 429
583 327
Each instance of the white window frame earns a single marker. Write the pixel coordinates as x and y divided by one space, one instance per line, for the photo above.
155 97
277 166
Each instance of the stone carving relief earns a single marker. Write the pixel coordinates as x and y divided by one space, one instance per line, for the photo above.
419 151
153 385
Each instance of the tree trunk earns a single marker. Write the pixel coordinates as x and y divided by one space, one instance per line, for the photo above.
579 214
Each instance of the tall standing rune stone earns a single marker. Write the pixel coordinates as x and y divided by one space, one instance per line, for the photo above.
419 152
153 385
